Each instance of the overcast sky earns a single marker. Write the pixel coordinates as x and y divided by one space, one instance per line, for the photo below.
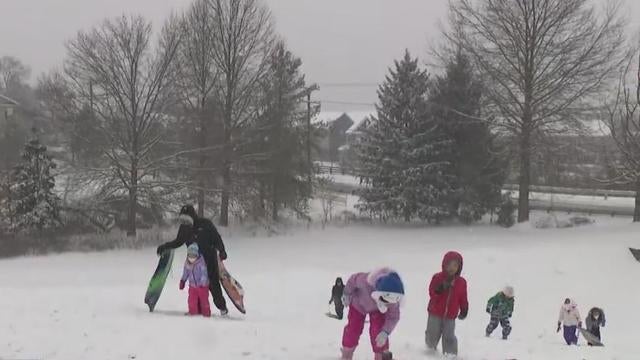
339 41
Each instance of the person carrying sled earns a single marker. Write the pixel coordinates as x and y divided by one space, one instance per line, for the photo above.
447 301
595 319
194 229
378 295
336 298
570 320
500 307
195 272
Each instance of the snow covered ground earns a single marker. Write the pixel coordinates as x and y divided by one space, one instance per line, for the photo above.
90 306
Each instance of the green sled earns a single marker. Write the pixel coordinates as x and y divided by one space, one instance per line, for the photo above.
156 284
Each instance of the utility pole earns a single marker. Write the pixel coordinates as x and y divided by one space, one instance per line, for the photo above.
310 89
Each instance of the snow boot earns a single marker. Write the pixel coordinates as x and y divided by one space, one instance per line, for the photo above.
347 353
504 337
387 355
224 312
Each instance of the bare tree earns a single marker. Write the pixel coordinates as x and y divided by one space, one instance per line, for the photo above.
543 60
12 72
197 78
624 124
116 65
242 38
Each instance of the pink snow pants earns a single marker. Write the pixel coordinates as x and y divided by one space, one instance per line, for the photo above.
355 326
199 301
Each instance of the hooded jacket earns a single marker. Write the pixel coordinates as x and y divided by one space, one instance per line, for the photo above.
196 274
569 314
592 322
448 302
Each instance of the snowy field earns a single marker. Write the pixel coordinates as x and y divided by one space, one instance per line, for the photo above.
90 306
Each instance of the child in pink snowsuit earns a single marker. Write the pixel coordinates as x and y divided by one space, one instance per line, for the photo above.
377 294
195 271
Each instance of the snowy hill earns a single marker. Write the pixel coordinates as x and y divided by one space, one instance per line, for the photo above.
90 306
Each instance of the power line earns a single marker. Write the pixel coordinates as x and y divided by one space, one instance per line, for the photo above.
345 102
348 84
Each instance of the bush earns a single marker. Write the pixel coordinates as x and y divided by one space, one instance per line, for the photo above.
470 213
506 212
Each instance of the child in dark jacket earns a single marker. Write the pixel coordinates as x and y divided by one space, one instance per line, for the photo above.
594 321
195 272
336 298
500 307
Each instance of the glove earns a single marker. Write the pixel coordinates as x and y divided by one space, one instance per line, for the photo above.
444 286
509 315
160 249
488 310
181 284
558 330
463 314
382 338
580 325
346 300
223 255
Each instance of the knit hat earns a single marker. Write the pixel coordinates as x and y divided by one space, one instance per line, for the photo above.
389 288
193 250
508 291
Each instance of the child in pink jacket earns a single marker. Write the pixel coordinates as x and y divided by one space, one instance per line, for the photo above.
378 295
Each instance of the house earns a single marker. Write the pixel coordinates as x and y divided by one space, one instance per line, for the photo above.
347 152
335 126
7 108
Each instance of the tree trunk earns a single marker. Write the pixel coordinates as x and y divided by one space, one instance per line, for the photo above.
202 158
133 202
224 201
636 210
274 201
525 177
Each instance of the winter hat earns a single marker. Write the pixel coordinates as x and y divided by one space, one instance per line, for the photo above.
193 250
187 214
389 287
508 291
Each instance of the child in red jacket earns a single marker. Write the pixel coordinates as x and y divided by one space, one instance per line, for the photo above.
447 301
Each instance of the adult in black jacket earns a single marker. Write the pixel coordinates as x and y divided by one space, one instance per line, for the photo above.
204 233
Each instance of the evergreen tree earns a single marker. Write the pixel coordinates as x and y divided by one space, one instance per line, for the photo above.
32 199
403 152
479 173
281 131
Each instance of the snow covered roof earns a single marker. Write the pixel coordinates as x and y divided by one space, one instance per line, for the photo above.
7 102
327 117
358 118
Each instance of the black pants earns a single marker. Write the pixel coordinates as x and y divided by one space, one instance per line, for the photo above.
214 284
339 310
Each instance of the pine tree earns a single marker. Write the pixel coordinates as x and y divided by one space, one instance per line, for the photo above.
403 152
281 132
33 202
479 173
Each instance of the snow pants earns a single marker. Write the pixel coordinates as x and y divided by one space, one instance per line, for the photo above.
339 309
199 301
437 328
355 326
505 323
214 283
571 335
